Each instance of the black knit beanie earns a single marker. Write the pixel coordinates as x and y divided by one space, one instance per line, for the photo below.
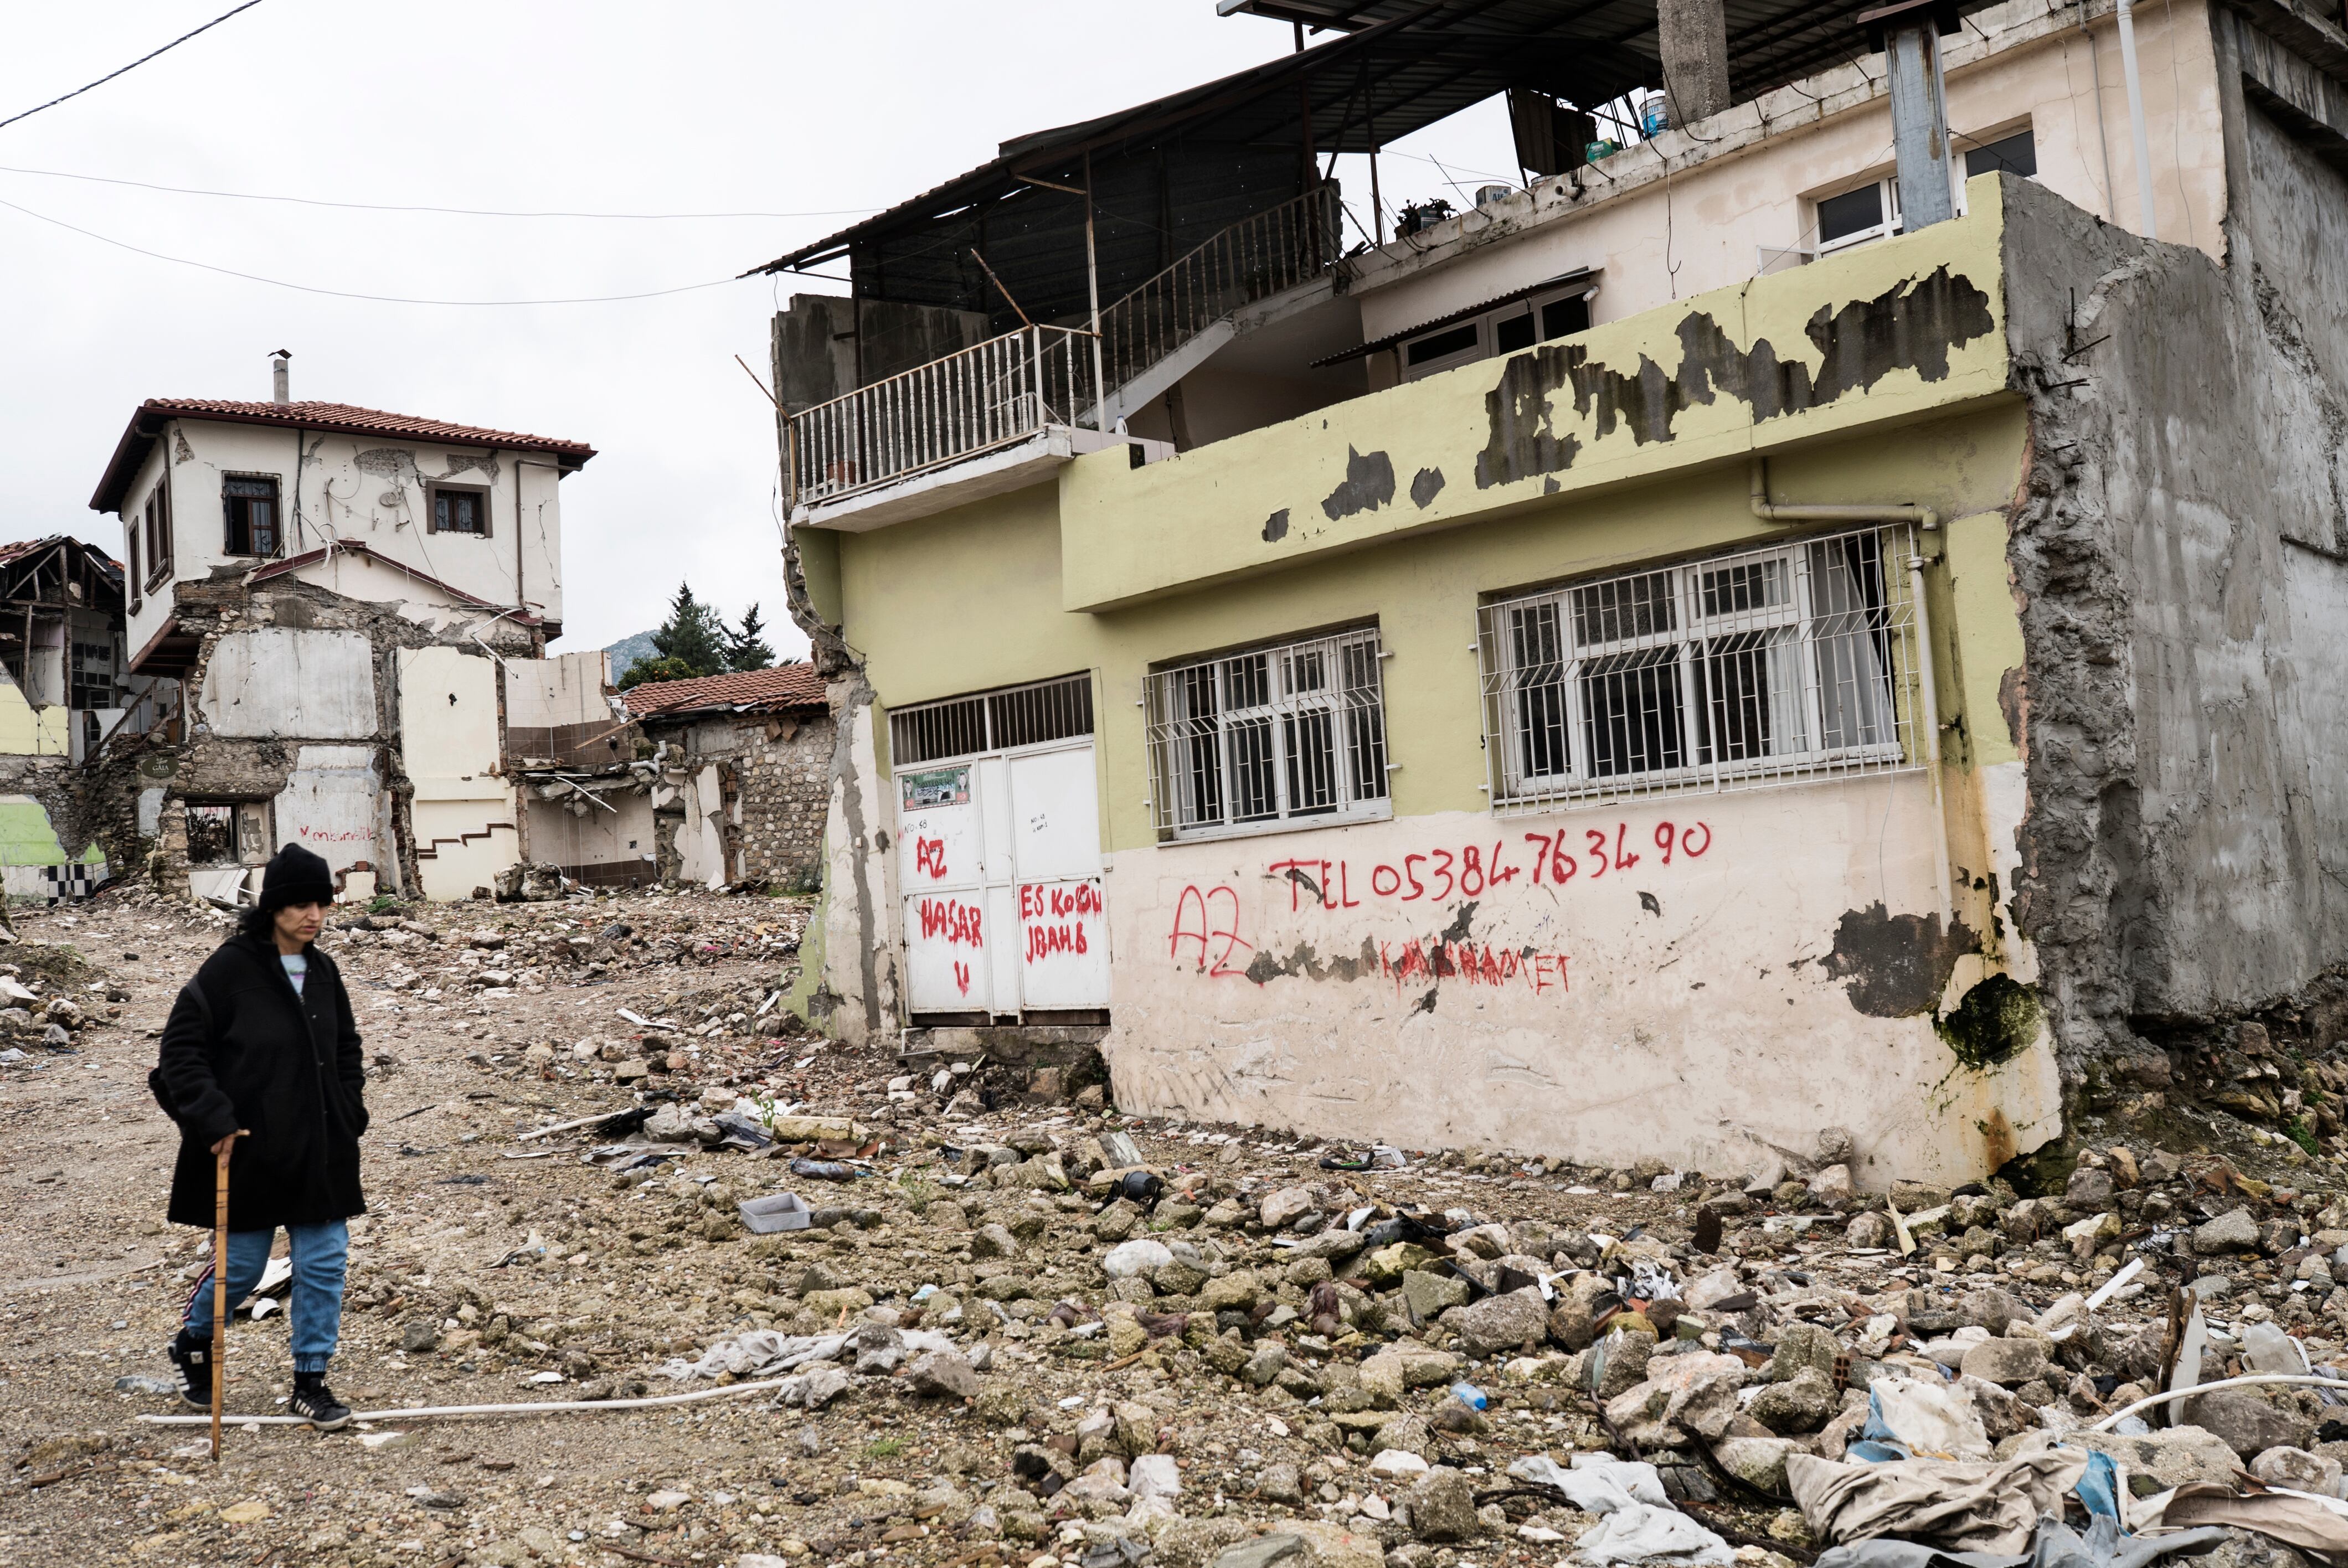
294 875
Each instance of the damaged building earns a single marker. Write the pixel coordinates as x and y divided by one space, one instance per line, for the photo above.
350 611
1809 619
63 695
744 765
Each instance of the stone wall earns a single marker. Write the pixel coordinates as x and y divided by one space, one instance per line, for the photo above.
780 767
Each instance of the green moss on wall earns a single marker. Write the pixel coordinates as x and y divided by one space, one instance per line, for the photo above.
1995 1022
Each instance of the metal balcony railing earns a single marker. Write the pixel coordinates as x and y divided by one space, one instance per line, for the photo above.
1009 388
1252 260
947 411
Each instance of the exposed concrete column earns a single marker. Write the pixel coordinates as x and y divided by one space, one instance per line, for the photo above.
1693 37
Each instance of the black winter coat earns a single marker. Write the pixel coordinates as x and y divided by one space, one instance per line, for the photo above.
285 1066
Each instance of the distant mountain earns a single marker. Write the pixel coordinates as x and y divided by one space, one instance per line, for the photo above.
628 652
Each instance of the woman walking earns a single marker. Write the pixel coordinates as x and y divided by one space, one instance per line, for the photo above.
262 1042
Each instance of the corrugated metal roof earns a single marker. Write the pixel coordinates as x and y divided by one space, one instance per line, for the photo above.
1394 67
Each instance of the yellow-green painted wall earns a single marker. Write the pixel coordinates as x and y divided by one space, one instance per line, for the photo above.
1873 339
29 731
971 599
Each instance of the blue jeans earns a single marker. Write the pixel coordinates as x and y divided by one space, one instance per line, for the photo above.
319 1252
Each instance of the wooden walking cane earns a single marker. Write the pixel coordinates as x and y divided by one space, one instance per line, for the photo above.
220 1281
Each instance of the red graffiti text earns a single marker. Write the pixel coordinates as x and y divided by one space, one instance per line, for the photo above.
930 855
1475 966
1211 919
957 921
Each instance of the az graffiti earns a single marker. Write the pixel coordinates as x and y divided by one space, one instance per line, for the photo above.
1217 937
929 856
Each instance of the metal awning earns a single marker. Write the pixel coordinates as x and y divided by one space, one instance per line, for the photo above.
1563 280
1170 173
1770 42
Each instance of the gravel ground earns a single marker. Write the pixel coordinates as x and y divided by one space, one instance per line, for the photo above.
495 1268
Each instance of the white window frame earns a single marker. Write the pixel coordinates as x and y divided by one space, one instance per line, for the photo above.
1214 721
1771 260
1800 680
1888 185
1487 327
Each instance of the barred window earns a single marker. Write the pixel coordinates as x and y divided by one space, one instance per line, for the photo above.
1295 732
1763 666
1029 715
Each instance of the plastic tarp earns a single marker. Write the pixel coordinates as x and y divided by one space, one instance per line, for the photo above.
1637 1532
1599 1488
1923 1420
1957 1505
2057 1545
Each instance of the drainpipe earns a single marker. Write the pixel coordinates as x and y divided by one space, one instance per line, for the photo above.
2136 117
1926 518
2103 137
1922 517
1932 703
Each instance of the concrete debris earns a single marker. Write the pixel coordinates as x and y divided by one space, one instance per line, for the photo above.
1021 1326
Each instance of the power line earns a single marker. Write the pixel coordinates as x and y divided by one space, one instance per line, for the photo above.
347 293
454 211
133 65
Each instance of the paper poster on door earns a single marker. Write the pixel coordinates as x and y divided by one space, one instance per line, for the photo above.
937 830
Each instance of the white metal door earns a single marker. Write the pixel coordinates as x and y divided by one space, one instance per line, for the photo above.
1063 929
999 868
940 874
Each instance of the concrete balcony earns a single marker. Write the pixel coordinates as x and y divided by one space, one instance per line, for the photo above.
1876 337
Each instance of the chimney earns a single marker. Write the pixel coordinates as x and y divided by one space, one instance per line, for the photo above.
280 389
1693 37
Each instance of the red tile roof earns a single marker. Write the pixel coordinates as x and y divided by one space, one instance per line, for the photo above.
335 418
781 689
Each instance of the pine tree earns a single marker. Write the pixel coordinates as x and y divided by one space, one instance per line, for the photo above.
746 649
693 637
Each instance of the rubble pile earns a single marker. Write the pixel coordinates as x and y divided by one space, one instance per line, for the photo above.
960 1322
47 995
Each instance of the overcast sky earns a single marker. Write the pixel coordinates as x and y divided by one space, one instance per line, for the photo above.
792 107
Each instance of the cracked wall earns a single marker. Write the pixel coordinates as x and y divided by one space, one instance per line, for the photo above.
1653 979
2177 547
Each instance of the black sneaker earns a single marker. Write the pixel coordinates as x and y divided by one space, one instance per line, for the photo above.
193 1360
315 1403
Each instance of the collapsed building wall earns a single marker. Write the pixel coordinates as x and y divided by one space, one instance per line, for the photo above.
586 776
744 799
2179 548
309 712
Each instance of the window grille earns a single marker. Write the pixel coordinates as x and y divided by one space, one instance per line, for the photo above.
1030 716
1290 733
1768 666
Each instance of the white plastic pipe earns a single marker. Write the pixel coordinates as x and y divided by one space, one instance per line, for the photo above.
2116 1417
436 1412
1770 511
2136 118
